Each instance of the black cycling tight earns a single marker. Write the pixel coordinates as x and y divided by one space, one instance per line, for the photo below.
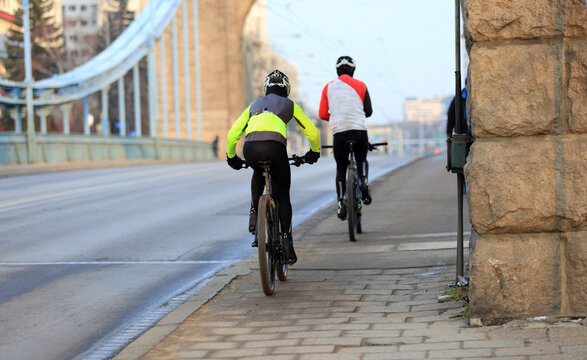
341 155
276 152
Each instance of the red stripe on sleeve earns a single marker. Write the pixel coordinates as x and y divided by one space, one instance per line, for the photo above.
323 112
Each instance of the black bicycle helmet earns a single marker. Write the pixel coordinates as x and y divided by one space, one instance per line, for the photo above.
279 79
345 65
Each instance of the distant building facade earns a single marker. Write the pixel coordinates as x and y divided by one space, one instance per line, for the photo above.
426 111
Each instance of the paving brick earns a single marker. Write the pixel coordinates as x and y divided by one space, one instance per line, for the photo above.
347 341
310 334
330 320
282 329
270 357
367 350
506 333
179 354
386 297
431 346
253 337
231 331
397 341
372 333
353 326
335 356
313 349
262 342
399 326
239 353
377 318
535 349
387 308
395 356
572 330
362 303
215 345
464 353
475 344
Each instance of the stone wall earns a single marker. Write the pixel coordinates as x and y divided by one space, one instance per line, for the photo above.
527 170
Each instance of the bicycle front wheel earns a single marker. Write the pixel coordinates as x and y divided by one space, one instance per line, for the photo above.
265 235
351 202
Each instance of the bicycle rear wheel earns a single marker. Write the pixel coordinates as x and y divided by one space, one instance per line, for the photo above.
351 201
265 235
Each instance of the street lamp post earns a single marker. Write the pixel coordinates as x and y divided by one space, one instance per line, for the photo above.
30 117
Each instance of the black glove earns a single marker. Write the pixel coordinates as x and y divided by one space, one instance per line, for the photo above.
235 162
311 157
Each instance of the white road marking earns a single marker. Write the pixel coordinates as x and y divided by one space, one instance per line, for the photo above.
423 236
121 262
433 245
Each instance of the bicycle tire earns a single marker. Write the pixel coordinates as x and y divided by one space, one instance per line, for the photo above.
265 235
351 201
281 269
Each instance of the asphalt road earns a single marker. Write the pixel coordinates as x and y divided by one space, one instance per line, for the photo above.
83 254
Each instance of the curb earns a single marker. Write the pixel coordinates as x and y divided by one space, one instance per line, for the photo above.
142 344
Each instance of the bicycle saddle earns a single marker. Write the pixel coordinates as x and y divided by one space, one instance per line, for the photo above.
262 163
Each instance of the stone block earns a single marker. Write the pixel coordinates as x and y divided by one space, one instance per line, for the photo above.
512 90
512 185
575 255
576 19
505 19
514 276
576 57
573 207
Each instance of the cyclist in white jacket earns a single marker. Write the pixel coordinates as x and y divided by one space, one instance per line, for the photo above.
346 105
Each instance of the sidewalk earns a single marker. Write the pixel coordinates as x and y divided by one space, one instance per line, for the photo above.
373 299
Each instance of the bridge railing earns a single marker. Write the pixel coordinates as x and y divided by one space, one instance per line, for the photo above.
145 38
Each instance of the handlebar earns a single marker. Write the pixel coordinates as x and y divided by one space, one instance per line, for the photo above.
297 160
374 146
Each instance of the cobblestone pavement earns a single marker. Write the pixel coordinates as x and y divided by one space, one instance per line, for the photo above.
373 299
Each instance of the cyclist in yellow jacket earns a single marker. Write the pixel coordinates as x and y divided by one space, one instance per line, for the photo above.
264 124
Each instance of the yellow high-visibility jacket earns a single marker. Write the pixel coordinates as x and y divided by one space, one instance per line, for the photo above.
267 119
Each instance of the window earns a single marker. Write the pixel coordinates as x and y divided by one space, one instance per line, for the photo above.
74 53
73 37
71 8
83 23
83 8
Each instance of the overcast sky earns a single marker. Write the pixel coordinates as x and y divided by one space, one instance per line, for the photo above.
401 48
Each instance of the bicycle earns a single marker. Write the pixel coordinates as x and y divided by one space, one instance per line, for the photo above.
354 199
271 255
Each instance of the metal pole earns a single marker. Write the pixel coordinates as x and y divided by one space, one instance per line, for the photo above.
198 82
30 113
459 130
186 66
105 120
164 88
175 76
137 99
121 108
86 112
